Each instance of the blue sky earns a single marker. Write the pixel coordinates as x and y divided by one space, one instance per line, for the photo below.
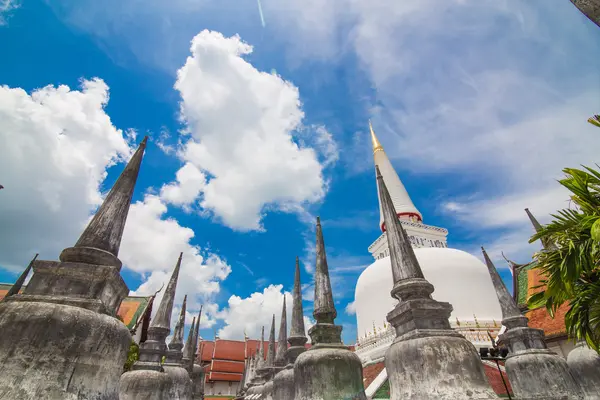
480 104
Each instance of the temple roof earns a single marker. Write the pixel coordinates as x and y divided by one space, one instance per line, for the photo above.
131 311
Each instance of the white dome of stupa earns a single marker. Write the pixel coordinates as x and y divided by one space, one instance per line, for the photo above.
459 278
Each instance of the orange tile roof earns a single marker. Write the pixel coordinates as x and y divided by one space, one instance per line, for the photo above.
229 350
207 348
371 371
227 366
223 376
495 379
552 327
252 347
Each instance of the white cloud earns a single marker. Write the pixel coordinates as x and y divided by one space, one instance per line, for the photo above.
250 314
151 245
241 122
351 308
6 7
56 146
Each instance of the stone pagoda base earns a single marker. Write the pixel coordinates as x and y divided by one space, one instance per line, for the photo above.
328 372
56 351
283 384
584 364
180 385
145 385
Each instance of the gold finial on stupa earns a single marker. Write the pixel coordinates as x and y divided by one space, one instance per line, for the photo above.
376 145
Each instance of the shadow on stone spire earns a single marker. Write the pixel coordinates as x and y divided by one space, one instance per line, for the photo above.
162 319
174 354
507 303
100 241
188 349
324 311
280 358
16 288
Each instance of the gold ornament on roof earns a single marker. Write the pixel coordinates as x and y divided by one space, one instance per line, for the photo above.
476 322
376 145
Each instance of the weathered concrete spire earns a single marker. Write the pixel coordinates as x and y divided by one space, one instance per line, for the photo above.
507 303
538 227
324 307
425 345
534 371
272 349
19 283
261 350
188 349
162 319
196 334
177 340
100 241
297 333
402 256
280 359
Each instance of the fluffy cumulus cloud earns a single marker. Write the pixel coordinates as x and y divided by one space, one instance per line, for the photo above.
56 146
242 157
201 271
250 314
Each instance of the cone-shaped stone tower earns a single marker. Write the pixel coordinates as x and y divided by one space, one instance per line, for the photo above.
188 349
538 227
197 374
148 379
283 383
181 386
584 364
428 360
257 381
590 8
76 299
280 359
270 370
100 241
16 288
534 371
329 370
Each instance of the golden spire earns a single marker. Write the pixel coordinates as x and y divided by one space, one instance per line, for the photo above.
376 145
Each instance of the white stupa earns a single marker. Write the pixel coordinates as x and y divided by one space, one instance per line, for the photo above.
458 277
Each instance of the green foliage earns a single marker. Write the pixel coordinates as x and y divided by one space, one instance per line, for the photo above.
132 356
571 258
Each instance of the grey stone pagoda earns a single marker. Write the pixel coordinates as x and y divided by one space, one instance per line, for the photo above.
269 370
188 349
148 380
534 371
329 370
61 338
181 385
427 360
283 383
584 364
18 285
257 379
197 373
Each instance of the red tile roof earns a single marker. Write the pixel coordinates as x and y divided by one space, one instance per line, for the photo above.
252 347
495 380
227 366
206 350
229 350
371 371
224 376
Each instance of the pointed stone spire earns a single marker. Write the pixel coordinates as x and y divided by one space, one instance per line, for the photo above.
402 256
324 307
272 350
280 359
507 303
177 340
261 350
403 205
538 227
19 283
100 241
196 335
162 319
188 349
297 331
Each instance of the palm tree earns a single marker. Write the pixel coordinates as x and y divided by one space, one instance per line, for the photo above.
595 120
570 260
591 9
